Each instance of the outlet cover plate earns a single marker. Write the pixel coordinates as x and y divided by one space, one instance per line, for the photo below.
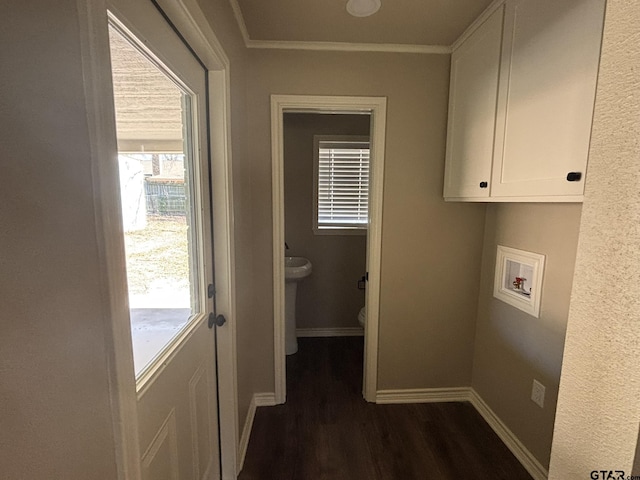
537 393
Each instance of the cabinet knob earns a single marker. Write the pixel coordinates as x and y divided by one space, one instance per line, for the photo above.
574 176
484 184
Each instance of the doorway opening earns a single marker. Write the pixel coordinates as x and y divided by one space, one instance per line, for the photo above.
326 196
358 229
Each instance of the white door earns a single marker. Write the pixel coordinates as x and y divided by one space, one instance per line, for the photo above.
159 96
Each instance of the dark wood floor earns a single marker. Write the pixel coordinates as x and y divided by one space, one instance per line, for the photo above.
327 431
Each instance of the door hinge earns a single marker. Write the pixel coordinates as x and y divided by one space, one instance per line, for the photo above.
211 290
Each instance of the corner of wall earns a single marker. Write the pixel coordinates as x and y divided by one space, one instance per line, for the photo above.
513 348
258 400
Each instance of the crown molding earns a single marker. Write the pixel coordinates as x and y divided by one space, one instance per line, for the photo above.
476 23
332 46
350 47
237 12
360 47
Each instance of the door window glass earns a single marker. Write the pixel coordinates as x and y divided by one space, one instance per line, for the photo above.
153 122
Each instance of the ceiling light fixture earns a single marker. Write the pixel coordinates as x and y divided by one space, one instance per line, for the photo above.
363 8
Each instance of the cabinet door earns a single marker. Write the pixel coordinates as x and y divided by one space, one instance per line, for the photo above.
548 78
473 95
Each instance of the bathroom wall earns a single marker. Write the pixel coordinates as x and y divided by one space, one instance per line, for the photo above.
431 250
512 348
329 298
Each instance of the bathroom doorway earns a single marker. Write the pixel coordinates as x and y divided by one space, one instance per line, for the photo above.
326 189
345 252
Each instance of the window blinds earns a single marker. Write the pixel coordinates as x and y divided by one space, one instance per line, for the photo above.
343 184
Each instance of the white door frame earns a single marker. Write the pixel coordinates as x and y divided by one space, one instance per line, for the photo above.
189 19
192 24
377 108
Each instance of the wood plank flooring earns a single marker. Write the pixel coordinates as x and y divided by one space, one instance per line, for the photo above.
327 431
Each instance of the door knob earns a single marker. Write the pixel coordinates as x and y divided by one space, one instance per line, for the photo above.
218 321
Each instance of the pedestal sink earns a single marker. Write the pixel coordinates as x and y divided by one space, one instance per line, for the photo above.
295 269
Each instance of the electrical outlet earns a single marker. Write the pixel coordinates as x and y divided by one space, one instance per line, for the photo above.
537 393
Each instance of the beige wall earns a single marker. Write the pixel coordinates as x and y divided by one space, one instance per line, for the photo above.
54 341
250 347
598 410
512 348
431 250
329 298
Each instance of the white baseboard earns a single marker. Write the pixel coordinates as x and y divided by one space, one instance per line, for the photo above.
526 458
246 434
423 395
265 399
258 400
330 332
468 394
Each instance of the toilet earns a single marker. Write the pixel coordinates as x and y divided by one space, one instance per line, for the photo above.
362 316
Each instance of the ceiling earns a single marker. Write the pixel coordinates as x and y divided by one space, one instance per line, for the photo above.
398 22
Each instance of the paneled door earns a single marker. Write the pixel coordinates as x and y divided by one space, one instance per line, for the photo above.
159 98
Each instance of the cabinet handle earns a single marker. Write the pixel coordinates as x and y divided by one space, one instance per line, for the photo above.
484 184
574 176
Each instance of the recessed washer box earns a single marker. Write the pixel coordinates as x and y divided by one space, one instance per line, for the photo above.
518 279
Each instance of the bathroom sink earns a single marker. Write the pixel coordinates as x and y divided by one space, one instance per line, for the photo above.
296 268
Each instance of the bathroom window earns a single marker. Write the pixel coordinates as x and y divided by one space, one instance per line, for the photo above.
341 185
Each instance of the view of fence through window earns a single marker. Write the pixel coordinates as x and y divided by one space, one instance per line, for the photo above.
151 113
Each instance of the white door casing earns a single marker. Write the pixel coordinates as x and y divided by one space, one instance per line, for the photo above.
376 107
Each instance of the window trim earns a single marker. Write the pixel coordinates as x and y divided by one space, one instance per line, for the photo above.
355 230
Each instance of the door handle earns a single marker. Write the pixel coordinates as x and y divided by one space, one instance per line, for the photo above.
218 321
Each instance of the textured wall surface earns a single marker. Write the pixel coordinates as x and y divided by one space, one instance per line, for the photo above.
512 347
598 410
329 298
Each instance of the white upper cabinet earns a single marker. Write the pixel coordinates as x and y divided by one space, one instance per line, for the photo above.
473 95
546 88
548 84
